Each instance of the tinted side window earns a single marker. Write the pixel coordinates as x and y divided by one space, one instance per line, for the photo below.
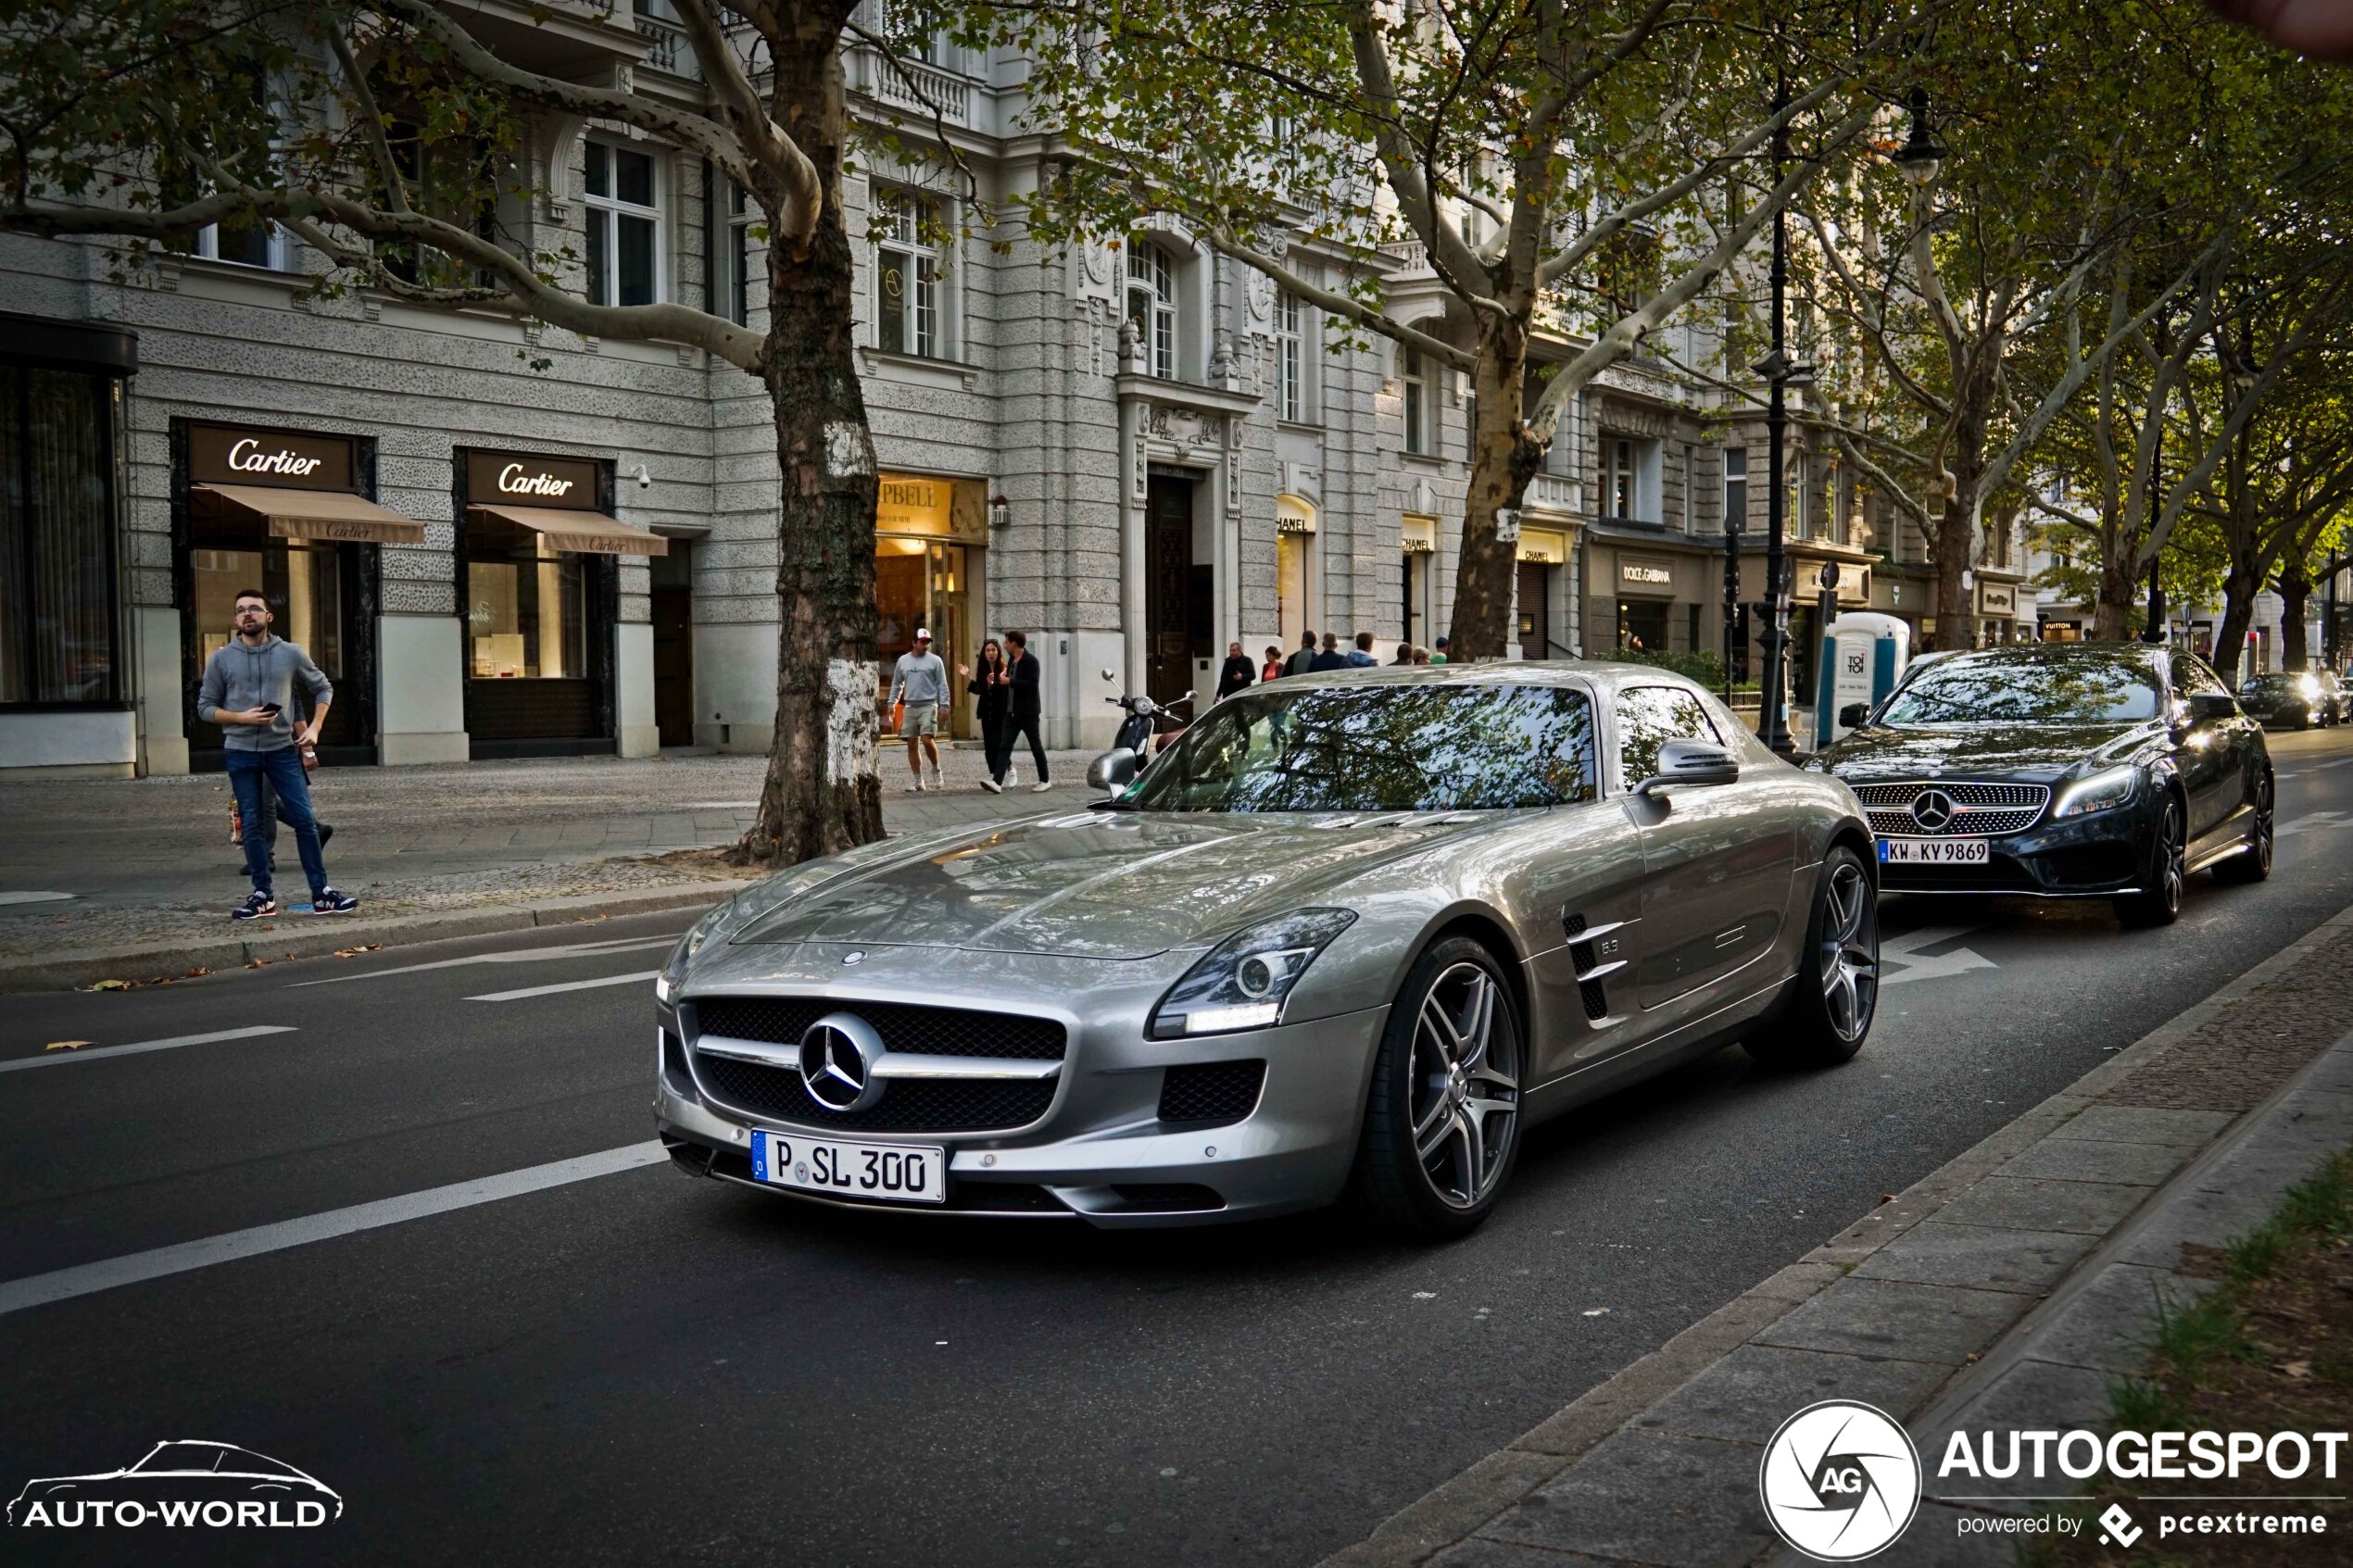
2192 677
1648 717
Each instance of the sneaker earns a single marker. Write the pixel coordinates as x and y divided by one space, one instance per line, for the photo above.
938 782
992 786
327 901
1042 786
1013 776
914 786
256 905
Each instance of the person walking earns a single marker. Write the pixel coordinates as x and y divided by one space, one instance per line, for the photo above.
248 691
1300 663
1405 654
1421 656
991 690
1273 669
921 680
1238 673
1023 708
1330 658
1438 652
1361 655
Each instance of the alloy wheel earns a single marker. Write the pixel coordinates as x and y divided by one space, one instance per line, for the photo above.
1465 1097
2172 849
1850 952
2260 836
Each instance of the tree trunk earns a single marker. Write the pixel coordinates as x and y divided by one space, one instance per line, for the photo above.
1503 460
2296 592
822 795
1956 527
2239 589
2119 592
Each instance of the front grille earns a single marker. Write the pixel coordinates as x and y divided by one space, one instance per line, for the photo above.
903 1026
908 1105
1212 1093
1981 810
674 1070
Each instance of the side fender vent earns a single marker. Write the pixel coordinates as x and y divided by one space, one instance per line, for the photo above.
1590 968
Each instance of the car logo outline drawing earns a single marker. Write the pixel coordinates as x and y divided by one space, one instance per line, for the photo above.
838 1057
271 1485
1840 1481
1933 809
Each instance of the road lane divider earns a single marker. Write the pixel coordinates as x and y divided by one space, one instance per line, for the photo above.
508 955
63 1285
529 991
58 1058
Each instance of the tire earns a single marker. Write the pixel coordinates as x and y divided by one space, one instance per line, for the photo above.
2160 902
1446 1090
2255 865
1835 993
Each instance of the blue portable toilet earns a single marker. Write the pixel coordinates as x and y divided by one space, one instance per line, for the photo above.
1863 656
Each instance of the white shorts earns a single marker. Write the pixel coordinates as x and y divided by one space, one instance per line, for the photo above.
922 718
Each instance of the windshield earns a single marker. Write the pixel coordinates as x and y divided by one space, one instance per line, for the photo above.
2268 684
2028 688
1419 748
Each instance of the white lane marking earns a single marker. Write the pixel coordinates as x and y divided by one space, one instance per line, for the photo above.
509 955
34 898
2299 772
60 1285
58 1058
1913 964
2313 821
568 985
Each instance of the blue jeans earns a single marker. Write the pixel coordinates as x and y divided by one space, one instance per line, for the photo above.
284 768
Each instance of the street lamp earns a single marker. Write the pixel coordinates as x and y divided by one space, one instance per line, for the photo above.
1921 157
1772 714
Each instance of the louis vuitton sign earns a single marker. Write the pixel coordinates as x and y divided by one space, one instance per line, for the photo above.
560 483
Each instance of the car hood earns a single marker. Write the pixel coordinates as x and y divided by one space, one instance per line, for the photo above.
1107 884
2039 753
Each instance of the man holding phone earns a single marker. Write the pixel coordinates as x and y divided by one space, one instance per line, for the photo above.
248 685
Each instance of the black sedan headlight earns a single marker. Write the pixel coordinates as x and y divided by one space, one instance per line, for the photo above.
2103 791
1243 982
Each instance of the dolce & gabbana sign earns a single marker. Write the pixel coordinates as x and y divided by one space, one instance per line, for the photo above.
563 484
281 459
1648 575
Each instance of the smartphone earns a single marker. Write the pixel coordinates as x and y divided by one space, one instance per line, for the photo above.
272 708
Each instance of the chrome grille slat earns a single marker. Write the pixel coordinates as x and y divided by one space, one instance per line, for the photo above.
1981 810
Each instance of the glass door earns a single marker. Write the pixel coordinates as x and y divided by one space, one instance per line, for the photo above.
307 585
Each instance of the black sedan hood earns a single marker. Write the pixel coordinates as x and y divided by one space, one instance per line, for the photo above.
2034 754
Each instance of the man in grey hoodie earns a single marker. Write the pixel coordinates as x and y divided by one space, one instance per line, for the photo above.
248 691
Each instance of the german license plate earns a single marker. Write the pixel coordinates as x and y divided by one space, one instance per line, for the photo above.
892 1172
1935 852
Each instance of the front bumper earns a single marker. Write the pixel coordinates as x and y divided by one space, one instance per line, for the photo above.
1099 1151
2099 855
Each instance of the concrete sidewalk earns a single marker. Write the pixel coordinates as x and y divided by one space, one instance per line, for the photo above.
90 869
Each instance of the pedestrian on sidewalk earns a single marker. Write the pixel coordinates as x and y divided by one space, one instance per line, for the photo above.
1024 711
1273 669
921 679
1361 655
1438 651
1405 654
248 690
1237 672
992 690
1303 660
1330 658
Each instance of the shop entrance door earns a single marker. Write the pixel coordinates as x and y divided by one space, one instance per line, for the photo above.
314 590
1535 610
1169 588
1642 625
673 614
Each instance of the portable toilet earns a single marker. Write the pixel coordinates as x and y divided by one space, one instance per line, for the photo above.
1863 656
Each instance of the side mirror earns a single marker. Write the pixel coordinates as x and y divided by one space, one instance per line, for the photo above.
2207 708
1855 715
1692 762
1114 770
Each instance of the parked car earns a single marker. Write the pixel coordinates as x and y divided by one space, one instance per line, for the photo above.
2299 700
1363 927
2063 770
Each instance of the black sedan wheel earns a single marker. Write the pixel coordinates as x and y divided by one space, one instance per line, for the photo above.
1441 1129
2253 862
1836 990
2159 900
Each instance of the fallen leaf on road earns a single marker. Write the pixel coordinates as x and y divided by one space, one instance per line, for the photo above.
64 1044
1425 1295
112 984
355 952
197 974
256 963
1887 1197
1973 1356
2296 1369
1597 1311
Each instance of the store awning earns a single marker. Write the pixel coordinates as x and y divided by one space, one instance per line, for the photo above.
316 514
586 534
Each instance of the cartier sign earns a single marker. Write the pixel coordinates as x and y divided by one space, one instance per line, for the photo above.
281 459
565 484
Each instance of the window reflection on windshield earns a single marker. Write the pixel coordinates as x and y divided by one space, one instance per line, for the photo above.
1380 748
2074 687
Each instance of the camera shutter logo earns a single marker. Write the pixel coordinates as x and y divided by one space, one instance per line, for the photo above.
1841 1481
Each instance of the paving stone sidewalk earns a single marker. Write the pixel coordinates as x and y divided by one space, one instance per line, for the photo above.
1967 1298
146 863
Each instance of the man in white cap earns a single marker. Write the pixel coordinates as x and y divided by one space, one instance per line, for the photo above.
919 679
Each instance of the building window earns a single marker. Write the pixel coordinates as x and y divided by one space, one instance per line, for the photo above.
1291 367
1617 478
1736 489
1415 384
624 226
736 281
1152 305
246 245
906 230
1800 500
56 538
527 616
1688 519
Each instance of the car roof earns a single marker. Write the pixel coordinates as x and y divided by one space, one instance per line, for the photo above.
1605 674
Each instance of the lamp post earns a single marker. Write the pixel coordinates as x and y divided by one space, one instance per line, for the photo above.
1772 715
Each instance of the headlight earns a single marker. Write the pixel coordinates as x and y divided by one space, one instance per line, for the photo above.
2099 792
1243 982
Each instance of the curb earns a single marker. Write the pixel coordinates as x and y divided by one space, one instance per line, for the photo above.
1518 1474
313 939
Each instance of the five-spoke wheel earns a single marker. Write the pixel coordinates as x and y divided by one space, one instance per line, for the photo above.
1441 1125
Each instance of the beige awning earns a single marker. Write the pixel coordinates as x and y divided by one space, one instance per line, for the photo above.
587 533
317 514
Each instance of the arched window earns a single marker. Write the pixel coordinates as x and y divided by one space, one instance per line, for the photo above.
1151 304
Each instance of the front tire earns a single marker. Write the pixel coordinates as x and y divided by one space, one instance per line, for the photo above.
2253 863
2159 903
1441 1127
1837 983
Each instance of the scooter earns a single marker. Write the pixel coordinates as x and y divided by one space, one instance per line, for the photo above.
1137 736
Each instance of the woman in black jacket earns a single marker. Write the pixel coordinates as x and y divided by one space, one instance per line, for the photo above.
991 687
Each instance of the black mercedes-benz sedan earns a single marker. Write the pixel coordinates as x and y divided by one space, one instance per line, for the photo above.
2062 770
2300 699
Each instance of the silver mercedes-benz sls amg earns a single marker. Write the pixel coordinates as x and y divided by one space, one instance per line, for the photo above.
1353 933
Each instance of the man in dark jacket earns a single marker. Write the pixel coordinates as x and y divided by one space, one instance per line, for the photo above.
1238 671
1300 663
1330 659
1024 708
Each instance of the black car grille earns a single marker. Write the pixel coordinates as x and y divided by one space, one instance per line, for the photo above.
1980 810
908 1105
904 1027
1211 1093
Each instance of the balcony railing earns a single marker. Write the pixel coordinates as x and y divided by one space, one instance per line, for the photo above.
1552 493
916 89
666 47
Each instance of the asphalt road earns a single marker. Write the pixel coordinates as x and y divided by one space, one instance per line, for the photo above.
629 1366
